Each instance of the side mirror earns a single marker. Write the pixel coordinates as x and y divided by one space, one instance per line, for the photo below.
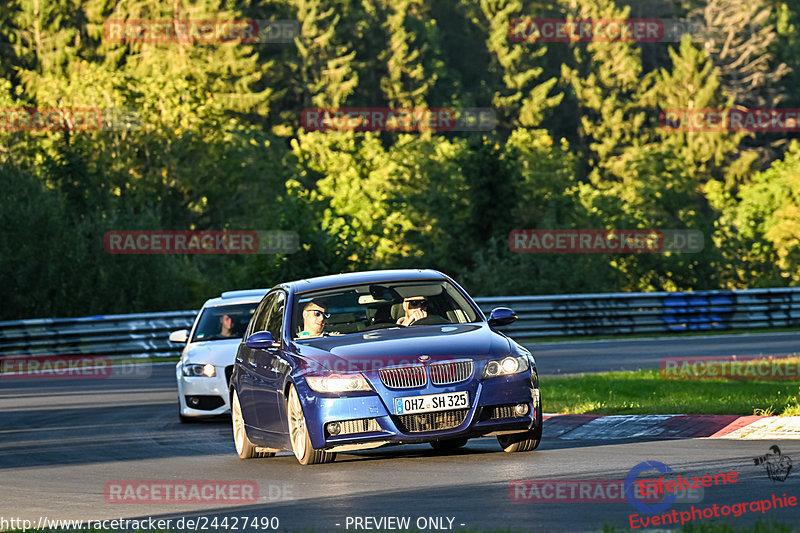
182 335
260 340
502 316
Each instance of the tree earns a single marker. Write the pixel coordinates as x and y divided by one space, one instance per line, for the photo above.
739 35
356 180
741 38
406 83
317 70
767 220
605 78
517 97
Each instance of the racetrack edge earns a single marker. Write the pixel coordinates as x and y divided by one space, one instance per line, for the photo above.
610 427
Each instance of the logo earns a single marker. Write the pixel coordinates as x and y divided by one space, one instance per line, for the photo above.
398 119
717 120
200 31
68 119
590 491
181 492
551 30
630 481
778 465
423 358
201 242
730 367
70 367
604 241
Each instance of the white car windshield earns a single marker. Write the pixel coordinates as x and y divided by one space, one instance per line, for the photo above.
379 306
224 322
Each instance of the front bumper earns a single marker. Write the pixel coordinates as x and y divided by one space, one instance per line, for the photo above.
201 396
369 420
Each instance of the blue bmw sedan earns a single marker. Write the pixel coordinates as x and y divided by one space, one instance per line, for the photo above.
367 359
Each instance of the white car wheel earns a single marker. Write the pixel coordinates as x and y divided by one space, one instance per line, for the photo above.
244 447
298 434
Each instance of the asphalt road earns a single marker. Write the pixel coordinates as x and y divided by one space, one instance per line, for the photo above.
63 441
631 354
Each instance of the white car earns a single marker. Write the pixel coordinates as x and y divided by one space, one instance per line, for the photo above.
206 363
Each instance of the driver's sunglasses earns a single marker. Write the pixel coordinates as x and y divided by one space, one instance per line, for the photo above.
318 313
415 304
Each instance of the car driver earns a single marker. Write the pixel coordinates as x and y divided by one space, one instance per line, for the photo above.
315 313
415 309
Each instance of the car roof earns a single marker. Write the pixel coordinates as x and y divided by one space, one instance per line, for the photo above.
237 297
355 278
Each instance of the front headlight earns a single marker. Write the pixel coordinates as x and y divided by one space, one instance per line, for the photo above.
505 367
194 370
338 383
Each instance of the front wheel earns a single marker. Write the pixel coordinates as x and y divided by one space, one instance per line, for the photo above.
244 447
183 418
523 442
298 434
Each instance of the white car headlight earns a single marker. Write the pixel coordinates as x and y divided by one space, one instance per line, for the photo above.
194 370
505 367
338 383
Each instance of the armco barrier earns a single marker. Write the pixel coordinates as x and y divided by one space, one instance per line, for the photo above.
648 312
136 335
145 334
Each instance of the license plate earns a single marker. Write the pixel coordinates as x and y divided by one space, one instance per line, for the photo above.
431 402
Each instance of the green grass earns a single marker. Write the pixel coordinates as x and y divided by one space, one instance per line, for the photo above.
647 392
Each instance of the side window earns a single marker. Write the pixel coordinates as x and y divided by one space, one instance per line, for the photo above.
276 316
260 318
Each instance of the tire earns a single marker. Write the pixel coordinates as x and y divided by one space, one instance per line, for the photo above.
245 448
298 434
523 442
183 418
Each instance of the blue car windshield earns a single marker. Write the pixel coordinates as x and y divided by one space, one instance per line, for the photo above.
223 322
368 307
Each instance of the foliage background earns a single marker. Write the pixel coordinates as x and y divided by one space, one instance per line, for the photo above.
221 147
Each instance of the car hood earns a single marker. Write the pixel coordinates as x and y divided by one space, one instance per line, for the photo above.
386 348
219 352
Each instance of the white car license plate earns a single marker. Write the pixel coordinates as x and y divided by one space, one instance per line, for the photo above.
431 402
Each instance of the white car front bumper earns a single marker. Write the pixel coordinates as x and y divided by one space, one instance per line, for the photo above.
203 396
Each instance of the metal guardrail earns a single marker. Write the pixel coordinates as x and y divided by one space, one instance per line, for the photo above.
145 334
134 335
648 312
